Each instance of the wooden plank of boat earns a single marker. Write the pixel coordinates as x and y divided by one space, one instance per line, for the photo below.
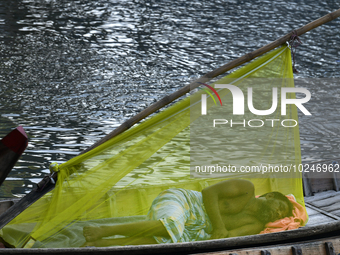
39 192
316 180
323 246
11 148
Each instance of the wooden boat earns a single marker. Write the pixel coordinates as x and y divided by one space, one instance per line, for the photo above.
321 235
325 224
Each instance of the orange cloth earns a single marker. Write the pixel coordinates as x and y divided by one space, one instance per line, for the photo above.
298 219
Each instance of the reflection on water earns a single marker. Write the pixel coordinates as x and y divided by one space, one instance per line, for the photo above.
71 71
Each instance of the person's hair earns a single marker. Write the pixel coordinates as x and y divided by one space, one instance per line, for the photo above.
280 196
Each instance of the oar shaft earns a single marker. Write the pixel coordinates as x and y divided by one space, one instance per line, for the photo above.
234 63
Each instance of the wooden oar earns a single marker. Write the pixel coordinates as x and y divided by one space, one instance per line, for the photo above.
35 194
11 148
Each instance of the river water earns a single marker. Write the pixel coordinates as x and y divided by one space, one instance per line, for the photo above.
72 71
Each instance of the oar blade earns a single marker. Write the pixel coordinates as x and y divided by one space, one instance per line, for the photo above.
11 148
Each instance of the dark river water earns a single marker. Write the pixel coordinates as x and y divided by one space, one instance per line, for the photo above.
72 71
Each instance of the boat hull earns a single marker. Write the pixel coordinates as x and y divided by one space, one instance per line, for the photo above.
308 236
305 236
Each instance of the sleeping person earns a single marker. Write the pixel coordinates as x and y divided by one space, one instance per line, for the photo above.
225 209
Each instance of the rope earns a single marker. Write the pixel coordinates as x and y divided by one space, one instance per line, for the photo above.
294 42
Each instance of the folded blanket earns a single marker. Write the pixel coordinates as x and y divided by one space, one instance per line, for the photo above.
298 219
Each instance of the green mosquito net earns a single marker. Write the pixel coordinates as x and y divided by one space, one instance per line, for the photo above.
179 147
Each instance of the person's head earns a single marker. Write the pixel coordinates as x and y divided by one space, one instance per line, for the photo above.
276 206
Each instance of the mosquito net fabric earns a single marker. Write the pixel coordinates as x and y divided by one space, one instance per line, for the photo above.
117 182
